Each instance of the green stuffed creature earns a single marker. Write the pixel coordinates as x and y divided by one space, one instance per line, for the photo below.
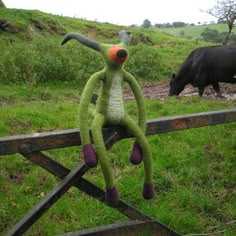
110 110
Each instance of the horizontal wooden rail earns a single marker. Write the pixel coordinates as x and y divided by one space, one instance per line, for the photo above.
131 228
68 138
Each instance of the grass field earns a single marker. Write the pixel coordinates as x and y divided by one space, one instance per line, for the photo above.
194 170
194 31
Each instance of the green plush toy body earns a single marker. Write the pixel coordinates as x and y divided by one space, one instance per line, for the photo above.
110 110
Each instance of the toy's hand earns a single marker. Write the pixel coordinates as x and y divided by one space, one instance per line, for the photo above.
136 154
90 157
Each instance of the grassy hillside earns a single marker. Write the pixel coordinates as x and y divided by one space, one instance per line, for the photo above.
31 51
28 24
194 31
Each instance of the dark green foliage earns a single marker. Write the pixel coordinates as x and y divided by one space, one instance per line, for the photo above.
178 24
214 36
32 54
45 60
146 23
144 62
210 35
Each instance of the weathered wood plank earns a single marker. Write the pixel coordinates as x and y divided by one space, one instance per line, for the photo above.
68 138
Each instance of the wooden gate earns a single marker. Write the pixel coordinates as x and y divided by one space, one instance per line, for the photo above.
30 146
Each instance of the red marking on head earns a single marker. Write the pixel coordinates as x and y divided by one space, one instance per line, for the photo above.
118 55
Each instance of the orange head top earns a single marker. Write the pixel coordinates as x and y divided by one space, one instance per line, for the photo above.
118 54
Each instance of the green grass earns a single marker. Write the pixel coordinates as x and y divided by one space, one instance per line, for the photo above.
194 31
193 169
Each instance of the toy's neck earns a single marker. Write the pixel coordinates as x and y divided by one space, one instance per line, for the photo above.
114 67
113 74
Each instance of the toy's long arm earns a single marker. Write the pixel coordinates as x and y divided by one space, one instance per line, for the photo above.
139 99
84 104
82 39
141 149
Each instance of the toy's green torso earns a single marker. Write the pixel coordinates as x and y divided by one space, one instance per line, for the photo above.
115 109
112 104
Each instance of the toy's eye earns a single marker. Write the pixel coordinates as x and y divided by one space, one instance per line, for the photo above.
118 54
122 53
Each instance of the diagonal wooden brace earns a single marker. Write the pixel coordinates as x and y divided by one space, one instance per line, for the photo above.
29 219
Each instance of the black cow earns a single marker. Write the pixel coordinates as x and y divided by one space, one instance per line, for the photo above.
205 66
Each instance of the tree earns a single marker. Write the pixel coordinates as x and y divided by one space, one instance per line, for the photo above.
225 10
146 23
178 24
158 25
2 4
168 25
211 35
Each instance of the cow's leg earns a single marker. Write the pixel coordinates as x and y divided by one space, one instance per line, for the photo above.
216 87
200 91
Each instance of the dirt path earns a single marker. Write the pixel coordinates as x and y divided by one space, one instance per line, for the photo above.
160 90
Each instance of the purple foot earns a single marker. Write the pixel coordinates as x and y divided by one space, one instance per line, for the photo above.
136 155
90 156
148 191
112 196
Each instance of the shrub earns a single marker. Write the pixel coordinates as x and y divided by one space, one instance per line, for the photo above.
45 60
144 62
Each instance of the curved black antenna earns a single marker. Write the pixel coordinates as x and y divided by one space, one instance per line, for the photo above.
125 36
82 39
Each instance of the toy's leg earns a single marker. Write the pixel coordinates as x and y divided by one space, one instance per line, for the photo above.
148 187
136 156
89 154
112 195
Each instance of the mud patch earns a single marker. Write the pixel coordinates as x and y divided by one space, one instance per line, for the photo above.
160 90
17 177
